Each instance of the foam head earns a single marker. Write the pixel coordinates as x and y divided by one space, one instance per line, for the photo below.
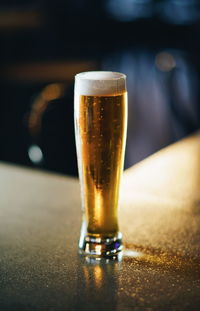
100 83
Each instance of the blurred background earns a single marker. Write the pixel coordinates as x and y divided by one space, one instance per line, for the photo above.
43 44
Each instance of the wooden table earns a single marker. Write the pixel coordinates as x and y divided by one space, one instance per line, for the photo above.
40 218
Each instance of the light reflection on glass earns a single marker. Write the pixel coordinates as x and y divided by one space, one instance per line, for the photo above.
98 249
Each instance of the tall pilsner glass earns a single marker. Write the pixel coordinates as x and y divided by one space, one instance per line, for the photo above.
100 126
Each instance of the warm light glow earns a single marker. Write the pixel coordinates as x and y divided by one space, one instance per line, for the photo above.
165 61
98 205
40 104
52 91
98 276
132 253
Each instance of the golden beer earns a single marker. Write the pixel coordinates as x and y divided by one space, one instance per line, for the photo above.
100 124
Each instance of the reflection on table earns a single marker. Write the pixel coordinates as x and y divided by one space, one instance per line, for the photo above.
40 219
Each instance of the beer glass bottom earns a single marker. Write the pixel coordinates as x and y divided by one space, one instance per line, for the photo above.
97 246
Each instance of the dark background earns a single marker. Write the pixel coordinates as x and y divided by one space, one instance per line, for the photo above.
43 44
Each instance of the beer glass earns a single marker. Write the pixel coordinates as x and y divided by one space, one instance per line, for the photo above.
100 102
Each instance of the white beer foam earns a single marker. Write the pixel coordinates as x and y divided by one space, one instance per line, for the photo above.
100 83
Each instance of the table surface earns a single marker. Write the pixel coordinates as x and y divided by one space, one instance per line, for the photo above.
40 219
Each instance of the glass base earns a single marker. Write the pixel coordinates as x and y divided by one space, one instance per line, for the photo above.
102 247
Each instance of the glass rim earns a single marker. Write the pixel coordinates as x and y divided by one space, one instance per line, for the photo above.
100 76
